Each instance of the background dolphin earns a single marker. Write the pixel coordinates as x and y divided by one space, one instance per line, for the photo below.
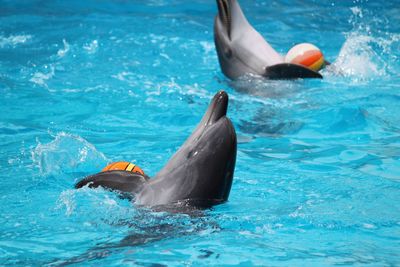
242 50
200 173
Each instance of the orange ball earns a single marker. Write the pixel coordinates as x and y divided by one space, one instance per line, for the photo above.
123 166
307 55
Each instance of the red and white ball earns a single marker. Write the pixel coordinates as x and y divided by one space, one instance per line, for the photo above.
306 54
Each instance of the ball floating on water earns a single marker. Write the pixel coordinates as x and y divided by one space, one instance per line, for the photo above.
123 166
307 55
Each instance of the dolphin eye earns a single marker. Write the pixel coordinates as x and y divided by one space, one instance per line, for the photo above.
192 153
228 53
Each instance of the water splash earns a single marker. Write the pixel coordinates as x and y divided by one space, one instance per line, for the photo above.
368 52
67 201
94 201
67 153
357 58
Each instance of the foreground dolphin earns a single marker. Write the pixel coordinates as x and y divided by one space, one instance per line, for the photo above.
242 50
199 174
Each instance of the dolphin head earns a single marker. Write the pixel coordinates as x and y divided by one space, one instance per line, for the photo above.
226 28
240 48
201 171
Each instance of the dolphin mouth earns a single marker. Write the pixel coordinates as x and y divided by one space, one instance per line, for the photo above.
217 108
225 15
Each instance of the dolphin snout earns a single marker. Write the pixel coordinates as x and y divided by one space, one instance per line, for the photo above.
218 107
224 14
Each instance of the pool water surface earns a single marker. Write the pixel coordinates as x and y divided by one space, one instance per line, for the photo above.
85 83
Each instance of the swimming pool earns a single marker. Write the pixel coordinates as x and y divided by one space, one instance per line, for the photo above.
84 83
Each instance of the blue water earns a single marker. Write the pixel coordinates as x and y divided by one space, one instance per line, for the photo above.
84 83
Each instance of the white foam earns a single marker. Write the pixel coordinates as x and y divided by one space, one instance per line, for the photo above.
208 47
40 78
91 47
14 40
63 51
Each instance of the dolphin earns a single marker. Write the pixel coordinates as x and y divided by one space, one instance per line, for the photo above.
242 50
199 174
